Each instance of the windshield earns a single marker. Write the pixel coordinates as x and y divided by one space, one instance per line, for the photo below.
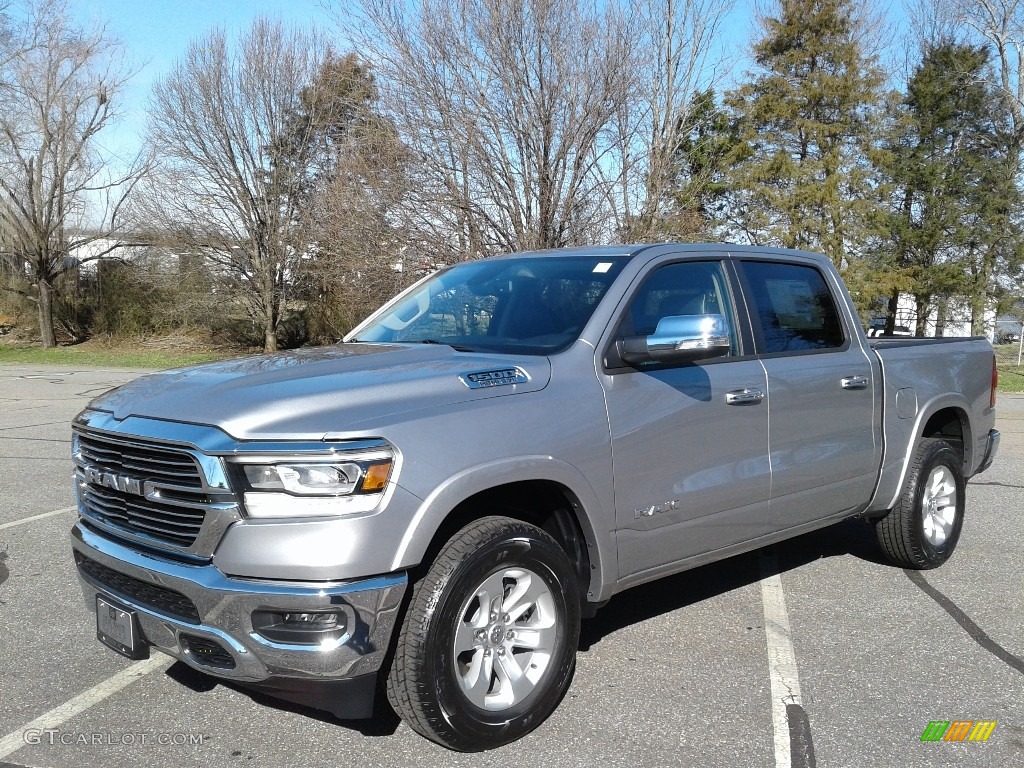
527 305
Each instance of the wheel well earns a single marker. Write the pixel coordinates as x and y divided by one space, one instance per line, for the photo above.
544 503
948 424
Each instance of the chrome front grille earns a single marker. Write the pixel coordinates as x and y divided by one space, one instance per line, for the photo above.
177 525
149 492
140 460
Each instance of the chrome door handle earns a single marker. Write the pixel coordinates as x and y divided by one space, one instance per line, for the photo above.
744 397
855 382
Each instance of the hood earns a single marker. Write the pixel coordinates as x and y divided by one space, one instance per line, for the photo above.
311 394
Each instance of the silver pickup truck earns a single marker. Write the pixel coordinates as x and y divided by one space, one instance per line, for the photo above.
433 505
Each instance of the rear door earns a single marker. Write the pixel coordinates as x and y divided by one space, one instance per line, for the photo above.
825 443
690 458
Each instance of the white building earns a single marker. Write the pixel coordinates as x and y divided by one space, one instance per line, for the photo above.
957 321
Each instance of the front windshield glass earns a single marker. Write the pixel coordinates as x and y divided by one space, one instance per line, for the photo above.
528 305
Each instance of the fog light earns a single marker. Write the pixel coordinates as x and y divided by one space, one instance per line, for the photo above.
324 628
317 620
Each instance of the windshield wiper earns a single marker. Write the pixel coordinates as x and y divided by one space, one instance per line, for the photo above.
456 347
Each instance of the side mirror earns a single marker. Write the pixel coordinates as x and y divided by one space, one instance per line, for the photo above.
679 339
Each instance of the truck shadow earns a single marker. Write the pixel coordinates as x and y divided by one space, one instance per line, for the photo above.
851 537
638 604
383 723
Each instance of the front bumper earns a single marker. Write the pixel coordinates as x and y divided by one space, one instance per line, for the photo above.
184 607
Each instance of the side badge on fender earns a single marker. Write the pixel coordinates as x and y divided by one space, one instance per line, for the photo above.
496 378
655 509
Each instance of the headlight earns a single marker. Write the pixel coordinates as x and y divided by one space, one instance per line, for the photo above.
305 479
311 487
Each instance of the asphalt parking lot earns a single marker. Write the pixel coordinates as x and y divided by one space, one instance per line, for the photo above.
678 673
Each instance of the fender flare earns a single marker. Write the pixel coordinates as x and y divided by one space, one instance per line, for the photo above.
470 481
938 403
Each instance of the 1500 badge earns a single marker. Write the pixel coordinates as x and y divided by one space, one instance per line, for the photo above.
496 378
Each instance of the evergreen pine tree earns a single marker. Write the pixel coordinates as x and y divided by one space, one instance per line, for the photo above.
954 206
698 192
800 178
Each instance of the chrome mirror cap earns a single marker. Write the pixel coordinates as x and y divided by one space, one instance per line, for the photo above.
679 338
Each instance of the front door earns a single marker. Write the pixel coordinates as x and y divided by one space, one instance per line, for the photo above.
689 441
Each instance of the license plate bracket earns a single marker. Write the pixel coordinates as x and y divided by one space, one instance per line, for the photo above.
117 628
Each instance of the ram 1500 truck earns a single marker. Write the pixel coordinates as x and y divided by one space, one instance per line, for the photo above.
435 503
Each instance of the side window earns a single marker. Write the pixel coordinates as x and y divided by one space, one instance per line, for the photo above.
792 306
683 288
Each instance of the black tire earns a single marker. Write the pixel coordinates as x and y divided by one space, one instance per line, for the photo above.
426 681
909 535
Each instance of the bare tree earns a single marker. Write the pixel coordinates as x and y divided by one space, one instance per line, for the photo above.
360 229
1000 24
233 166
930 22
671 50
61 196
507 106
365 246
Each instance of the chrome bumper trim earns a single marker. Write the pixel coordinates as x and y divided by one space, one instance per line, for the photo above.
226 605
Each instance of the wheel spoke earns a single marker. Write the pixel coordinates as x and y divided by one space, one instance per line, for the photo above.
514 684
476 681
466 630
948 495
528 591
465 636
529 639
490 593
942 486
508 669
522 596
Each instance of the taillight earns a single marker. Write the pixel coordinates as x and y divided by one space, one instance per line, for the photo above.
995 384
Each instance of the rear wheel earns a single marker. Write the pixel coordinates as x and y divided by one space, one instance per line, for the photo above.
922 530
488 644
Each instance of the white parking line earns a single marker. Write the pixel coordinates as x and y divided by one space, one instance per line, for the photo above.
24 520
15 740
782 670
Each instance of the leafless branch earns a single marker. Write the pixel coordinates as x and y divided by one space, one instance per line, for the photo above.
60 193
227 184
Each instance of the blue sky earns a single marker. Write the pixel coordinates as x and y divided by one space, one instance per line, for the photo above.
155 33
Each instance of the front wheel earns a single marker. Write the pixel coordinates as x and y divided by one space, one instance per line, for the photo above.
922 530
488 644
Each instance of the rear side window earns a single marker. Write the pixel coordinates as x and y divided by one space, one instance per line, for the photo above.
793 309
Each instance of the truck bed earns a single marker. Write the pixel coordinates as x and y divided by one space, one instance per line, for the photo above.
922 388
